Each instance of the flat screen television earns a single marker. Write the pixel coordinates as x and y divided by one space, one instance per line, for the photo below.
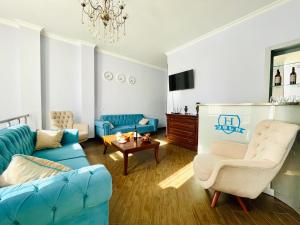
181 81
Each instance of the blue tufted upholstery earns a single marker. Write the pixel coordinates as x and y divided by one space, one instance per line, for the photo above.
123 123
79 196
15 140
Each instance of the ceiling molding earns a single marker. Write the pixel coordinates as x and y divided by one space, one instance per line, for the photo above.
131 60
18 23
7 22
228 26
61 38
30 26
88 44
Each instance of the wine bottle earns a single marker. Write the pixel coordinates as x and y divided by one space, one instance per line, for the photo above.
293 76
278 78
135 134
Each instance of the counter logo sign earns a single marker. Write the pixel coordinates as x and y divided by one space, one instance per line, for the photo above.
229 124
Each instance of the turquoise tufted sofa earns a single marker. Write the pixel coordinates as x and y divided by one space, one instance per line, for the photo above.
78 197
123 123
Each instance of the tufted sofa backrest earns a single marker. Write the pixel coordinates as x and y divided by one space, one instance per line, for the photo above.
124 119
272 140
61 119
15 140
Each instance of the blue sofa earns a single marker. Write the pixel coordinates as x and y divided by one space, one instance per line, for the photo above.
123 123
78 197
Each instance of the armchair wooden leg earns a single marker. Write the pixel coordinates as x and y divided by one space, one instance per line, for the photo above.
215 199
242 204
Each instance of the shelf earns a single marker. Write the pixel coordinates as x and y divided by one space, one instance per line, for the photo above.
288 64
287 85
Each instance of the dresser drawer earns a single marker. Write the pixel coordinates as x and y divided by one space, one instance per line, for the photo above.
182 130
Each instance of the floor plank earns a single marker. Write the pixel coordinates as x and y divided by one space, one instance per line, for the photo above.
168 193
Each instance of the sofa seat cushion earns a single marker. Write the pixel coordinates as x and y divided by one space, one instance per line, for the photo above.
123 129
145 128
65 152
75 163
204 163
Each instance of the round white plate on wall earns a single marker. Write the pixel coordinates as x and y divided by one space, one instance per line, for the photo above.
108 75
121 78
131 80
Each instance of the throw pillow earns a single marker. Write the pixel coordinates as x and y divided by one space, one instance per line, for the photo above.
24 168
48 139
111 126
143 121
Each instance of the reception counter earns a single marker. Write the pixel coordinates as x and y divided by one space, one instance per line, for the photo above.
236 122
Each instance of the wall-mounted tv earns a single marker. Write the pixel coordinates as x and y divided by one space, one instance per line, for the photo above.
181 81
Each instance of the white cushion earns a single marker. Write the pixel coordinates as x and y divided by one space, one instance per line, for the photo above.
143 121
48 139
24 168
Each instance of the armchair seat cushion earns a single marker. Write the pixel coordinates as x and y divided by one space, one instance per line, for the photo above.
205 163
65 152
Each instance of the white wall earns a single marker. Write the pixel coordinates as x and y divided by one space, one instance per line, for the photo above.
9 76
87 80
61 85
41 73
30 73
147 96
230 66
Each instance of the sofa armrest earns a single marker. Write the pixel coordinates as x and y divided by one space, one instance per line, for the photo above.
50 200
229 149
103 127
70 136
154 122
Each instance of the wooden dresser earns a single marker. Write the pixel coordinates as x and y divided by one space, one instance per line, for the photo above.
182 130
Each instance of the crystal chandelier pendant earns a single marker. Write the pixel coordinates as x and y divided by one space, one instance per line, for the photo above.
105 19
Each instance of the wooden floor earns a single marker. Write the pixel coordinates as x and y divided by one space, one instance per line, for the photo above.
168 194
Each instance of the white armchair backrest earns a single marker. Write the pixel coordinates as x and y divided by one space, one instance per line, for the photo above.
271 140
61 119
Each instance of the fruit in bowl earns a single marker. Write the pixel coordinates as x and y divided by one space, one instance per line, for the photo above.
146 138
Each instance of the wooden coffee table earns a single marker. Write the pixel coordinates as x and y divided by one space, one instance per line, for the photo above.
108 139
131 147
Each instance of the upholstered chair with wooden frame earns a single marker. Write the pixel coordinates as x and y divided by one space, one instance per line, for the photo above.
246 170
65 119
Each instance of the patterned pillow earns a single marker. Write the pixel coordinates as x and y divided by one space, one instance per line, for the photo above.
24 168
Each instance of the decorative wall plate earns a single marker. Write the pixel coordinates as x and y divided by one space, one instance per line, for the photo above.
108 75
131 80
121 78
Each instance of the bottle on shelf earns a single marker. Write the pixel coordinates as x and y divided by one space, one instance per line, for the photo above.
135 134
293 76
278 78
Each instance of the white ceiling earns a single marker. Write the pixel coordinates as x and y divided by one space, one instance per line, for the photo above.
154 26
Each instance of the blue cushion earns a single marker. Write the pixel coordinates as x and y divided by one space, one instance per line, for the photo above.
123 129
75 163
145 128
65 152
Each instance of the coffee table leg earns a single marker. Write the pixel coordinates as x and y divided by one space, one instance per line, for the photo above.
105 148
156 154
125 163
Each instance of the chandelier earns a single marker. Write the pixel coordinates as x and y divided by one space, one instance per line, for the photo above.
106 19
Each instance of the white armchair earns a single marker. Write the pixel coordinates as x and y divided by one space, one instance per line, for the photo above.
65 119
246 170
